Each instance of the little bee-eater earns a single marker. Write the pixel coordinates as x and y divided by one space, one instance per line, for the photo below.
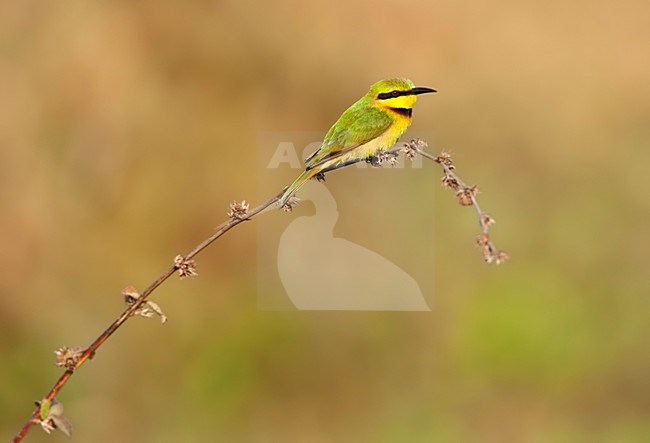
373 124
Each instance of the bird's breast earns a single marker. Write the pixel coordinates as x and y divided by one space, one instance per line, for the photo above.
384 141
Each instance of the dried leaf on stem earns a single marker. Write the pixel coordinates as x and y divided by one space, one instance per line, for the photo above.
147 309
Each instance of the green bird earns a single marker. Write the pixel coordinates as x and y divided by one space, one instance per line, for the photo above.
373 124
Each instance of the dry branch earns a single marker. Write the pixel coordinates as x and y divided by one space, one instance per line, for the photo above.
49 412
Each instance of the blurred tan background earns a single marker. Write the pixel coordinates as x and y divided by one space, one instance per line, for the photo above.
126 129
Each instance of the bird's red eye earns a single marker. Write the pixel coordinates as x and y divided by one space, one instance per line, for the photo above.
394 93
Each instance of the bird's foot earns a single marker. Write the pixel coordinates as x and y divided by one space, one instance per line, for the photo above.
383 157
320 177
374 161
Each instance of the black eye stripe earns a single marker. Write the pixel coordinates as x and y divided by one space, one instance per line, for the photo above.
393 94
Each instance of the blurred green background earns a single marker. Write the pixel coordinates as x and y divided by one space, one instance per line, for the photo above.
126 129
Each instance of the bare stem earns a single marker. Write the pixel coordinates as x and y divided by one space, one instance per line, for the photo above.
239 213
127 313
466 197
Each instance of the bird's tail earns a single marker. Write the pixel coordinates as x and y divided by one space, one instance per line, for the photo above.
297 184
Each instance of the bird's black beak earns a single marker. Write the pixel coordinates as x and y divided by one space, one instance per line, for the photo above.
421 90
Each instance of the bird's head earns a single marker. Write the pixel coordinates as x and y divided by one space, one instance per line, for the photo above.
395 93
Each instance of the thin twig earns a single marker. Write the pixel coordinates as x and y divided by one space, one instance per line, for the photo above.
73 358
90 351
466 197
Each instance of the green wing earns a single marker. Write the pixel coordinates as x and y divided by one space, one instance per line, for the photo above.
357 126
